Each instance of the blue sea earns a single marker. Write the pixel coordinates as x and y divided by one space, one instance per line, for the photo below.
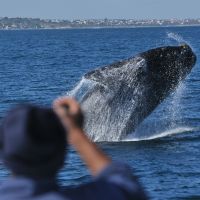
164 152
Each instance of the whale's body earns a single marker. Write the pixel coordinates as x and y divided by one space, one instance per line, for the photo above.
118 97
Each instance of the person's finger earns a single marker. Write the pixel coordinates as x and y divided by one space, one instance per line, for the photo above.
59 100
60 112
58 103
73 105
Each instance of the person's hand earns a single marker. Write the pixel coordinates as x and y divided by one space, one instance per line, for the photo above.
69 112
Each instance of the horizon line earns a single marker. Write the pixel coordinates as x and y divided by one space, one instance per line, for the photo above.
106 18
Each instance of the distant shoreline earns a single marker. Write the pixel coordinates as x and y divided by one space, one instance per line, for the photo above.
49 24
100 27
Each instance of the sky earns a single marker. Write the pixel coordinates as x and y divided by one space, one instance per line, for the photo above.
100 9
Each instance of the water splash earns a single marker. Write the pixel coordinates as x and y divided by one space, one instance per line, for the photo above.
174 36
81 89
115 100
175 106
164 120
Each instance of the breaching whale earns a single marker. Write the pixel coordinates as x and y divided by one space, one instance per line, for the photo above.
118 97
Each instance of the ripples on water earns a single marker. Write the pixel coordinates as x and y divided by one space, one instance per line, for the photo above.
38 66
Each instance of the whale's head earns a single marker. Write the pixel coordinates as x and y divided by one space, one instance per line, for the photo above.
167 66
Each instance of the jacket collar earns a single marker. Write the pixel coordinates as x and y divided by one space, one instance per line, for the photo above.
28 186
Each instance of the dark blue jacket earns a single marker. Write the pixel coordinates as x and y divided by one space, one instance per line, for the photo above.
116 182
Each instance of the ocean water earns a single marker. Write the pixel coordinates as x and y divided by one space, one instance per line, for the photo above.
164 152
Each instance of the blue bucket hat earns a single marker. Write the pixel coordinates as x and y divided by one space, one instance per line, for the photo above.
33 142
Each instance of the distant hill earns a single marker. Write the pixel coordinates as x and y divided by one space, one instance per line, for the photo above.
34 23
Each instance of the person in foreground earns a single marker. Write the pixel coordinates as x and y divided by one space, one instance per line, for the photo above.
33 144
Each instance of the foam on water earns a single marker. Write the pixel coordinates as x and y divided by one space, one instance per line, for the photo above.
166 133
